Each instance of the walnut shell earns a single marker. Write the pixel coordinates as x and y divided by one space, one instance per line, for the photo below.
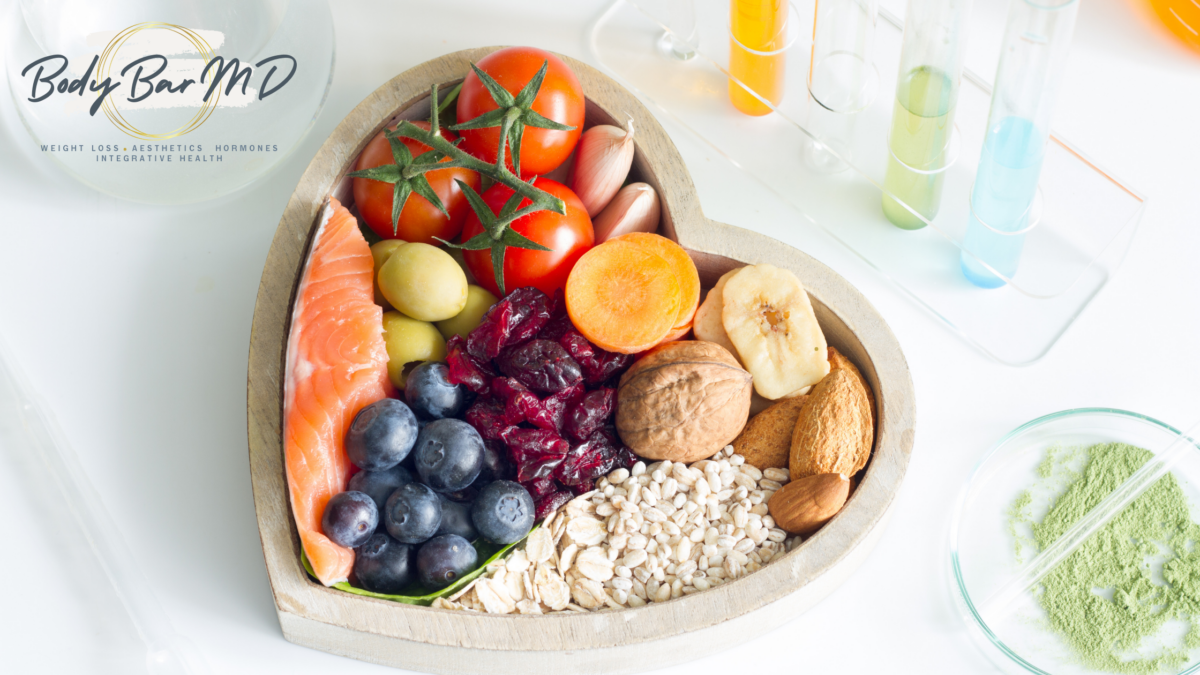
683 401
834 432
766 442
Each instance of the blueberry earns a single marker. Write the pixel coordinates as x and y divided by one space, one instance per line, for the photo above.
449 455
381 435
384 565
350 518
429 392
379 484
444 560
412 514
456 519
503 512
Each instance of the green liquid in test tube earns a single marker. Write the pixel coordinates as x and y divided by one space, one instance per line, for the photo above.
919 143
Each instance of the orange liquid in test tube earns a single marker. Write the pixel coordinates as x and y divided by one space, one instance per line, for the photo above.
1181 17
757 26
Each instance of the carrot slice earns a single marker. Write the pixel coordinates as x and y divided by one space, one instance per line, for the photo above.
622 297
677 334
681 262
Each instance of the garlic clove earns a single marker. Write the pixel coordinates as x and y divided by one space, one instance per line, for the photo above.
602 161
634 209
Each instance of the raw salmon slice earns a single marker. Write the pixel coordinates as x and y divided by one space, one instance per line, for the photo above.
336 364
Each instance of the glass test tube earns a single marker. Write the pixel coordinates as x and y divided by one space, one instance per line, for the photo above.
758 41
919 142
1036 40
841 78
679 41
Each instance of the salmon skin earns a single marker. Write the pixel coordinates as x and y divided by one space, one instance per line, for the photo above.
336 365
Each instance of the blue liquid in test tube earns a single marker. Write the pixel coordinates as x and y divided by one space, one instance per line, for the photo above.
1036 38
1005 187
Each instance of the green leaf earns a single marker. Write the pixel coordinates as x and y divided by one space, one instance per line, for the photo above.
419 595
450 98
498 266
480 207
399 198
421 186
510 206
517 240
499 94
525 97
515 134
479 242
533 119
491 118
386 173
400 152
431 157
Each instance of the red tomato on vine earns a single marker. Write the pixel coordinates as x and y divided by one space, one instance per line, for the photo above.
419 221
559 100
568 236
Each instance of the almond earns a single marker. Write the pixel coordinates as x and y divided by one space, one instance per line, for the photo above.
833 433
838 361
803 506
766 442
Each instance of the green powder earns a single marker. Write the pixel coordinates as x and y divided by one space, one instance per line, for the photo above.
1111 597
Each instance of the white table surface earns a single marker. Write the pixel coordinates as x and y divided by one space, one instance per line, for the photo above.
134 321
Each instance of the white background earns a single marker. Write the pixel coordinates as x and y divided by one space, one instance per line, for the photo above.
134 321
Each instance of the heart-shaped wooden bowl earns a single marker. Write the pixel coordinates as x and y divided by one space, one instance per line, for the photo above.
433 640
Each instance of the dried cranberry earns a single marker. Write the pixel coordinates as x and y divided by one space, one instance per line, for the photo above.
553 409
625 458
608 365
520 404
597 364
589 414
537 452
541 365
513 320
465 369
591 459
541 487
550 503
487 416
559 323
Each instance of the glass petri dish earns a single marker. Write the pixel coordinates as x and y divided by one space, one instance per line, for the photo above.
181 123
984 545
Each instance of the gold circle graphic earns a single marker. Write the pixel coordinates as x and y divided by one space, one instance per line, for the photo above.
104 68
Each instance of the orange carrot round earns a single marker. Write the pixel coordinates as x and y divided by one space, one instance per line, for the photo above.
623 297
681 263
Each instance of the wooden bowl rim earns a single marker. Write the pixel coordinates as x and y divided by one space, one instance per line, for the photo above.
659 161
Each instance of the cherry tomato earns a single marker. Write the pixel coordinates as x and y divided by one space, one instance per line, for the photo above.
560 99
569 236
419 221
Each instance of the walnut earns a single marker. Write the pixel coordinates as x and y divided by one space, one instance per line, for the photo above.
683 401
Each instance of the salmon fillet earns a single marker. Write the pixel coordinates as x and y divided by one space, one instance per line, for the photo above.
336 365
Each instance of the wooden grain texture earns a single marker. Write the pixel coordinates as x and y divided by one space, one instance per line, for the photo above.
421 638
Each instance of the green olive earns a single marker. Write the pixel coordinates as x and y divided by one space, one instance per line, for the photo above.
423 282
381 251
410 343
479 301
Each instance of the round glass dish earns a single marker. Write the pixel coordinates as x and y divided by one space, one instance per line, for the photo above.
203 97
984 545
